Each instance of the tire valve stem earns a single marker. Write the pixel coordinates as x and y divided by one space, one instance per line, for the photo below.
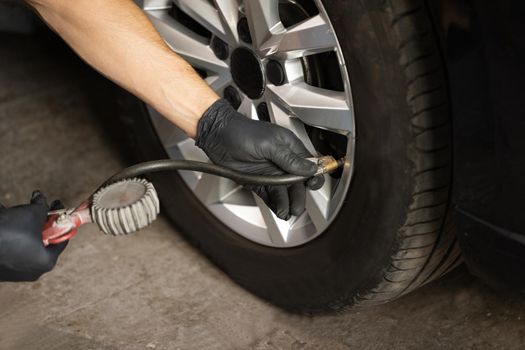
327 164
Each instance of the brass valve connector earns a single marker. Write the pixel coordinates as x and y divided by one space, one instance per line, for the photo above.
328 164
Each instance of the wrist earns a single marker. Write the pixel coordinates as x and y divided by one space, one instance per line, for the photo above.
212 120
181 97
199 112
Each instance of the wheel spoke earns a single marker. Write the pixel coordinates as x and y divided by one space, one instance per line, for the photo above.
317 207
167 132
276 228
281 117
179 146
247 108
311 36
188 44
322 108
263 19
188 150
211 18
238 196
154 4
229 14
219 82
212 189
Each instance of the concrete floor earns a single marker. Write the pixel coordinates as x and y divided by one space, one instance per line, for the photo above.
151 290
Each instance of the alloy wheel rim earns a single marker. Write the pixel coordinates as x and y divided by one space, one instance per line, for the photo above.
293 103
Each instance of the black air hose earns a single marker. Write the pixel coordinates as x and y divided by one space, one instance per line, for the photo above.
175 164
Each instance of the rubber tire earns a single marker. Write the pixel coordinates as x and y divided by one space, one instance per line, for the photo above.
392 233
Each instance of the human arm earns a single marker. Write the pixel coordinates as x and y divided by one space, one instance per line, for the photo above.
117 39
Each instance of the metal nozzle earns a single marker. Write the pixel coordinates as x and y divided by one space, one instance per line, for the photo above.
328 164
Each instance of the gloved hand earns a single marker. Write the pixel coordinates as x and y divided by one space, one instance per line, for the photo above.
255 147
23 256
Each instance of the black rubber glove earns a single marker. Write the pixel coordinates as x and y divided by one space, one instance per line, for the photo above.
255 147
23 256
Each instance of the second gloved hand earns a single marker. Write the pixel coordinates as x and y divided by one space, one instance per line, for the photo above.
23 256
254 147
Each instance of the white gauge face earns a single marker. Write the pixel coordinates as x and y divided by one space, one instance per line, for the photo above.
125 206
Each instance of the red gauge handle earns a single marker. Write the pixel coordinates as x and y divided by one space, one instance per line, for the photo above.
62 227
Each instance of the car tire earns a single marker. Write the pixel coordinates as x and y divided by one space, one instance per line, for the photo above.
393 232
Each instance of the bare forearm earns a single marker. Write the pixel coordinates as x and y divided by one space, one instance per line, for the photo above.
118 40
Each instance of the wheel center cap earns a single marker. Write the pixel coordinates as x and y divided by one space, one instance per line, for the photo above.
247 72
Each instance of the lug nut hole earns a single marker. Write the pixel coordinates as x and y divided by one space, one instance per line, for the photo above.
243 29
232 95
220 48
275 72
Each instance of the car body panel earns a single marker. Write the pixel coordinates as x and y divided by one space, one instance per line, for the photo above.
484 49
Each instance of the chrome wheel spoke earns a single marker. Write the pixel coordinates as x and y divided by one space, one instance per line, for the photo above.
263 20
326 109
154 4
189 45
229 14
281 117
212 189
277 229
318 205
167 132
220 20
218 82
188 150
311 36
247 108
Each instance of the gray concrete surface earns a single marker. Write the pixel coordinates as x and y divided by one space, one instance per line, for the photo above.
152 290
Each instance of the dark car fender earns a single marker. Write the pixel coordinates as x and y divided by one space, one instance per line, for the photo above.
484 50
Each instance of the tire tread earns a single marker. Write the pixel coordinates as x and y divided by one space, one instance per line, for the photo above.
426 247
